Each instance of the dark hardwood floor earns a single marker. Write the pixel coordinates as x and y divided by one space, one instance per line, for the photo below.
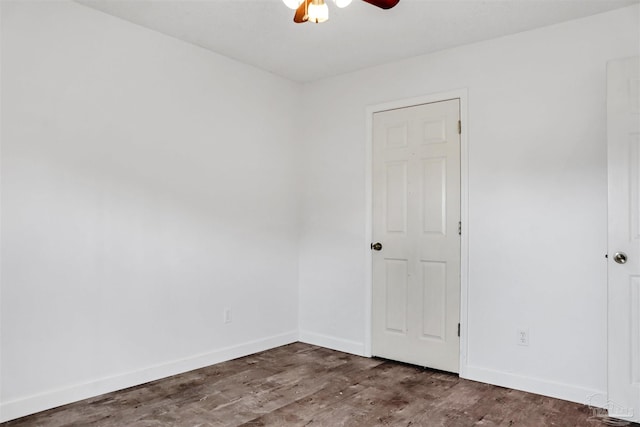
304 385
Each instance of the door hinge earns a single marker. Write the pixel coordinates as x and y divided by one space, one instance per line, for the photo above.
460 228
458 329
459 127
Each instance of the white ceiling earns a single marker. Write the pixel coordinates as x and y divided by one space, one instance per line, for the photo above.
262 33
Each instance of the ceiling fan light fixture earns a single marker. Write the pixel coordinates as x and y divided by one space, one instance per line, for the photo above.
292 4
318 11
342 3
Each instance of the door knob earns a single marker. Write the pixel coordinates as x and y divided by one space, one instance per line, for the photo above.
376 246
620 258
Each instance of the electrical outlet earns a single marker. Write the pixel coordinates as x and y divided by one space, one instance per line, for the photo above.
227 315
523 337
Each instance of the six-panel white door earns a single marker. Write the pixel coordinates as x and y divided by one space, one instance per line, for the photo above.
623 142
416 214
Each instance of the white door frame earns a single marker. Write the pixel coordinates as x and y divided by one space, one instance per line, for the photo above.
461 94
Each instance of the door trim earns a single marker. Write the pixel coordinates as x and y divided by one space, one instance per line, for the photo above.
462 95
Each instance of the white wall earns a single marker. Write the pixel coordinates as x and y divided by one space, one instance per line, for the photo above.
147 184
537 199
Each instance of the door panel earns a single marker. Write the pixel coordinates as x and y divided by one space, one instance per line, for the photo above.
416 209
396 200
623 131
396 297
434 299
634 175
634 298
434 199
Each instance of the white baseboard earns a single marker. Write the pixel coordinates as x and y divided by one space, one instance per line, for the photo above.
339 344
533 385
51 399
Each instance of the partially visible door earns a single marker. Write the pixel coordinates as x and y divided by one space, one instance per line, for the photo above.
623 141
416 214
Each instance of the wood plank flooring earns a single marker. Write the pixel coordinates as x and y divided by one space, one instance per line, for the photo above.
305 385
